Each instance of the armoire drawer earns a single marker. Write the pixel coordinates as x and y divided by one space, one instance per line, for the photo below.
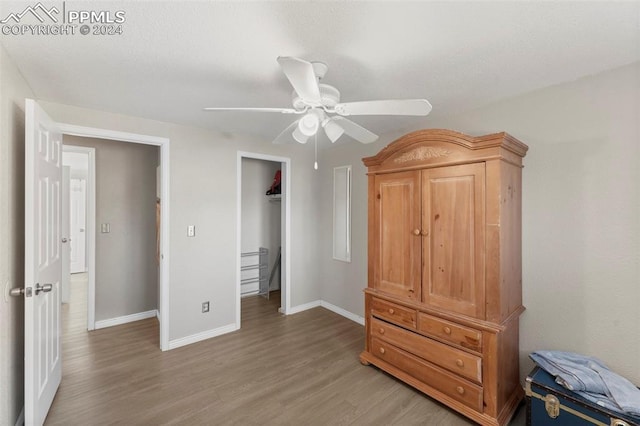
459 362
457 334
394 313
439 379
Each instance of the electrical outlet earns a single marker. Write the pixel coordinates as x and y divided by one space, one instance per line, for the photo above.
205 307
191 231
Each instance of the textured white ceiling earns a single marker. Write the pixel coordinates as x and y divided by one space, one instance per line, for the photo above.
174 58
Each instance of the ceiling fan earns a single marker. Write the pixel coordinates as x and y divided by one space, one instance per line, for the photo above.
319 105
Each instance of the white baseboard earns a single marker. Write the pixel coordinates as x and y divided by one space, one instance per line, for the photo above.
20 421
338 310
304 307
250 293
125 319
198 337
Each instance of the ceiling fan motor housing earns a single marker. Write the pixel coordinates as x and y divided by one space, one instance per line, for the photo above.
329 96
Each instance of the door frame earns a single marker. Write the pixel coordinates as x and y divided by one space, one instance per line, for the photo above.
163 143
285 230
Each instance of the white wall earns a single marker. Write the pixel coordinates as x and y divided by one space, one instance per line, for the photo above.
260 216
581 216
202 188
343 282
13 90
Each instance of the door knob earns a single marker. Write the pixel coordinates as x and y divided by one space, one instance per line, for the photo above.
416 231
16 291
19 291
43 288
65 240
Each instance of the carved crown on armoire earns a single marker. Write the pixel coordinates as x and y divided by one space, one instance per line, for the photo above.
444 291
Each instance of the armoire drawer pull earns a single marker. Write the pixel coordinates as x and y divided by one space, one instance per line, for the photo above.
391 311
381 330
447 330
382 350
460 390
460 363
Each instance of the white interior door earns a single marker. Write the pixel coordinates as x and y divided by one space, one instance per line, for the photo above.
43 262
66 223
78 225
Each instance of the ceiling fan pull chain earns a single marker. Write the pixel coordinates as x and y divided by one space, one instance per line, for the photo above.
315 164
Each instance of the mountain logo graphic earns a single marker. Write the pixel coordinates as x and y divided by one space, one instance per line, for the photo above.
38 10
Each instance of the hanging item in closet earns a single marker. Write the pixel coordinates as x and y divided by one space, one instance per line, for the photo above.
275 187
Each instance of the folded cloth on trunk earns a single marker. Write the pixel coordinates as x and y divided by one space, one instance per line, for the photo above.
590 378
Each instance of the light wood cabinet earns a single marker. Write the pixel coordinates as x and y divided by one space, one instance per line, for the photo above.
444 290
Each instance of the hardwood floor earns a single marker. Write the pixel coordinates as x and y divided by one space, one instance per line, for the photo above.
301 369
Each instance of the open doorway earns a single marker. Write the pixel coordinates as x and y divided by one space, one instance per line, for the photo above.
156 222
78 163
263 230
260 228
75 278
125 270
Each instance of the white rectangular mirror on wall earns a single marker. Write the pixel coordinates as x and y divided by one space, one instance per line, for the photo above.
342 213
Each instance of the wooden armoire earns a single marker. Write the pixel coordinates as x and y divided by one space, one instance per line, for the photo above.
444 291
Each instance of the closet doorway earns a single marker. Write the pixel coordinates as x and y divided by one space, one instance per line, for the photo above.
263 229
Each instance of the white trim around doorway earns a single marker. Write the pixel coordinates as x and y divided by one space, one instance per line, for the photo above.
285 284
163 143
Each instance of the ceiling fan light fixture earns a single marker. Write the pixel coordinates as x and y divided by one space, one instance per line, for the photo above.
308 125
333 130
299 136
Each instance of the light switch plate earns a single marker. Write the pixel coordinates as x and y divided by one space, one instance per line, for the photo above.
191 231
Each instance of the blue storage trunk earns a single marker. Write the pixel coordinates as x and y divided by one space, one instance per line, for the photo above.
549 403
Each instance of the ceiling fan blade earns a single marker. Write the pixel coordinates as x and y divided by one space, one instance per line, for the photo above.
354 130
302 78
285 136
385 107
281 110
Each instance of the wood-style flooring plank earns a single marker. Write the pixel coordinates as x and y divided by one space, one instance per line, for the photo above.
301 369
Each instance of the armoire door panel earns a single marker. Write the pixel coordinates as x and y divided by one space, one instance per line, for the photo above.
453 250
397 217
